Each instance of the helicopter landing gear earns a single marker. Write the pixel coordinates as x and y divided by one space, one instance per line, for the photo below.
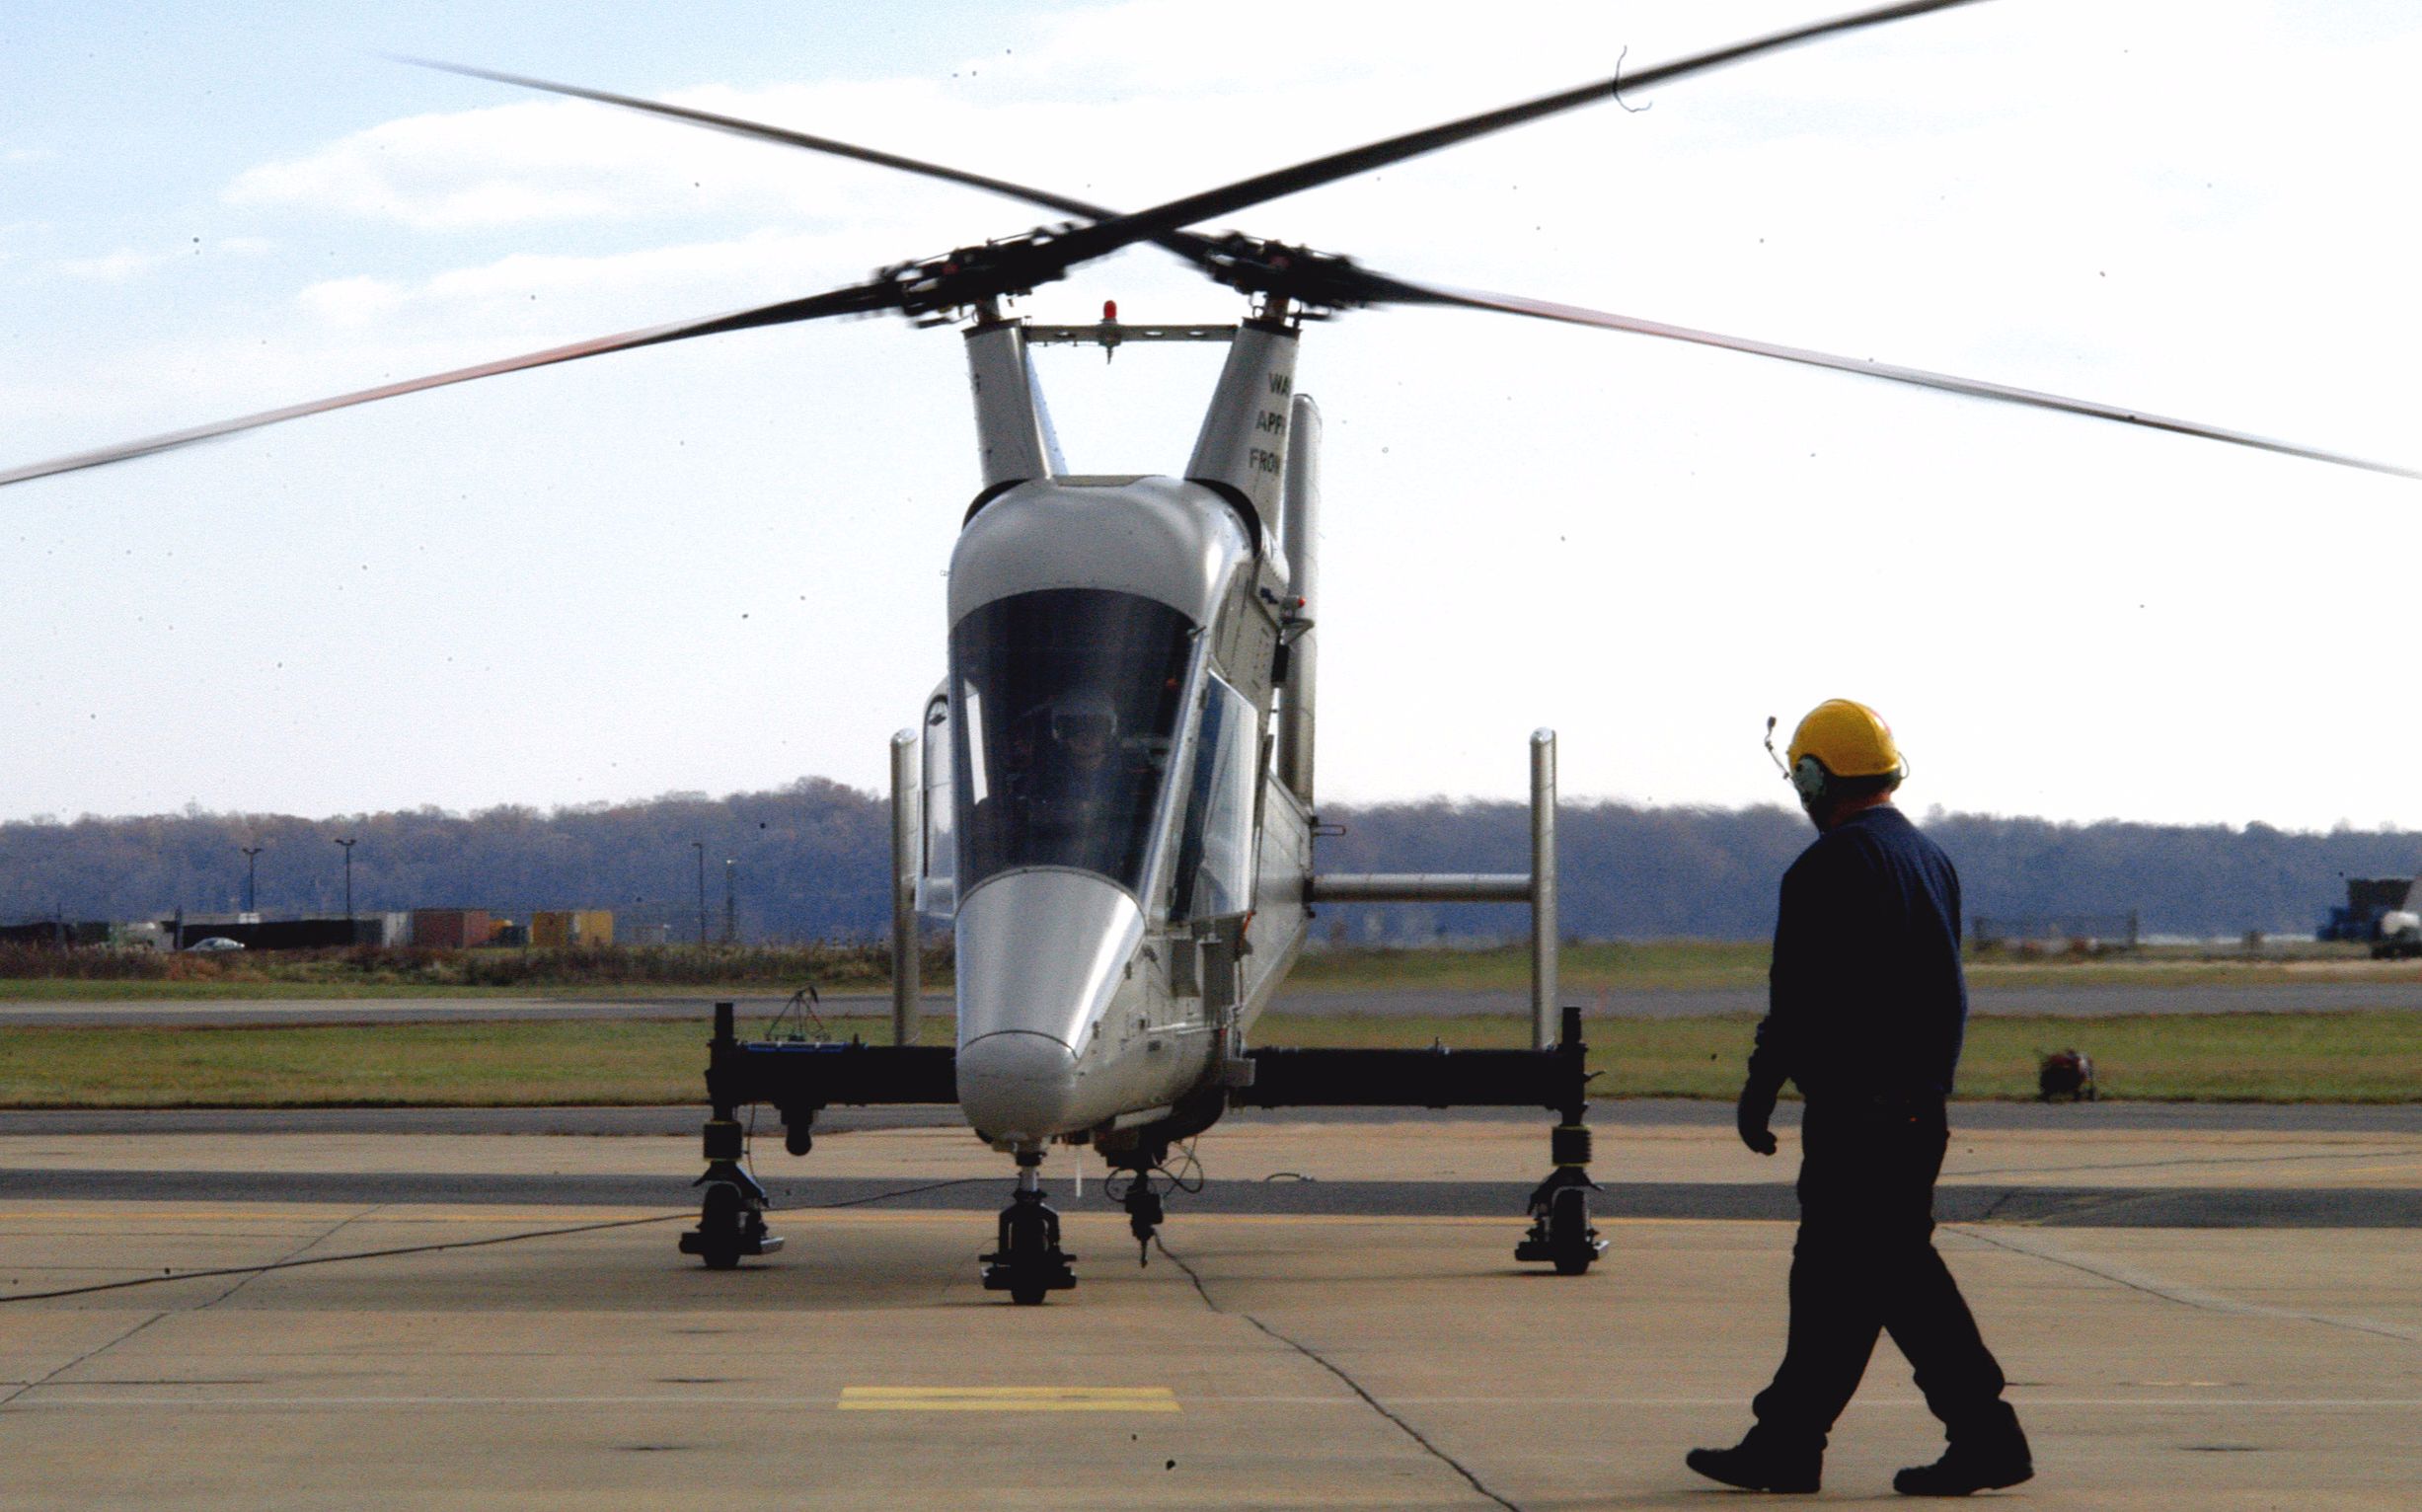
732 1215
1561 1229
1030 1261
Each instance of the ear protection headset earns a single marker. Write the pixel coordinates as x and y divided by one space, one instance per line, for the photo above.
1807 776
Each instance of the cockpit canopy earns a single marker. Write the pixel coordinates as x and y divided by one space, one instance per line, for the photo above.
1069 703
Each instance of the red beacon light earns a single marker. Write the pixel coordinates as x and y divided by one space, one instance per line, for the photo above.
1109 312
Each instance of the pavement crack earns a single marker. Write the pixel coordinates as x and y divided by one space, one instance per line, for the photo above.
2186 1296
1352 1384
293 1255
2177 1160
97 1350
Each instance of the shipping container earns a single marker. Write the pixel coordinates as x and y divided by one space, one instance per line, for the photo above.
450 929
561 929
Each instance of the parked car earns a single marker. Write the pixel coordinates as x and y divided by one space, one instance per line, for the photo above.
216 943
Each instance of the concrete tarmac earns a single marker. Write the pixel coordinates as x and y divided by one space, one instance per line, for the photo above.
1273 1357
851 1011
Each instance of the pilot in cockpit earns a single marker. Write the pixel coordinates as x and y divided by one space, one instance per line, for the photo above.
1074 766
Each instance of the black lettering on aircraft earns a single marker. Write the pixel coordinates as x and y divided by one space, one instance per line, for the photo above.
1281 383
1270 423
1262 461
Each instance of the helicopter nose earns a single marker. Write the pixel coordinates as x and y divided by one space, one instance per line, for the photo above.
1041 957
1019 1086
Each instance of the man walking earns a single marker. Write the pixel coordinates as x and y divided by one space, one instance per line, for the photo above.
1865 1014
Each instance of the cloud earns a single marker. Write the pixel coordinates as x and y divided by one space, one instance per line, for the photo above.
127 263
117 267
15 155
533 289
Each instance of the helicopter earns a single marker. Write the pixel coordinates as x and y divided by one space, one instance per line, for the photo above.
1111 797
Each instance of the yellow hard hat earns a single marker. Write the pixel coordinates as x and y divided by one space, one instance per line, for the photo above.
1841 739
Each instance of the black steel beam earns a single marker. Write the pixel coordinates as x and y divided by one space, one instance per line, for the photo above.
1434 1078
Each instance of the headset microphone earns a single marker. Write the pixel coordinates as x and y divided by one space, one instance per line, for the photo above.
1807 776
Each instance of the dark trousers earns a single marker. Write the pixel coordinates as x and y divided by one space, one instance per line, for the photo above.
1865 1263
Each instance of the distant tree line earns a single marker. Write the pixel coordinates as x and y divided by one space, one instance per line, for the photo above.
809 861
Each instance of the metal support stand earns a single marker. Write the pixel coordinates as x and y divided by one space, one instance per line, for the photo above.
907 837
1028 1261
732 1215
1561 1229
1543 927
1536 887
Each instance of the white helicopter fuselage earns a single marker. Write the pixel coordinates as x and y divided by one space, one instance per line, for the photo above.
1122 852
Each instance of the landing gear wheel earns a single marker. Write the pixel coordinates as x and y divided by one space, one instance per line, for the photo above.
1030 1262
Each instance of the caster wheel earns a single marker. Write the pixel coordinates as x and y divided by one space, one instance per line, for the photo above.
719 1229
1570 1234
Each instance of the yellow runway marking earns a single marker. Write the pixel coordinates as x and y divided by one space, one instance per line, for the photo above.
1008 1398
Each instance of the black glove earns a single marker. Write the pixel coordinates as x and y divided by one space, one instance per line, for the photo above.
1757 1105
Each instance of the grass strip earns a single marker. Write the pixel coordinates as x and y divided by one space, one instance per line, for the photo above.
35 975
2322 1057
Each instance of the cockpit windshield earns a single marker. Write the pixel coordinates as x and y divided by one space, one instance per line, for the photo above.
1068 703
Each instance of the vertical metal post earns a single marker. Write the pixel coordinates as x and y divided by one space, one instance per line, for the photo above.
1543 889
251 878
906 833
700 846
349 889
731 906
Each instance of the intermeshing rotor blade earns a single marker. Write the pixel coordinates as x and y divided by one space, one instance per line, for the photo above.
859 299
1108 236
1511 304
1164 223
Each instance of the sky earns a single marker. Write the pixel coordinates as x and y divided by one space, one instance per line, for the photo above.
718 566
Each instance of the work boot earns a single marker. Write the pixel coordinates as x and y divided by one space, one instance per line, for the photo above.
1759 1463
1971 1464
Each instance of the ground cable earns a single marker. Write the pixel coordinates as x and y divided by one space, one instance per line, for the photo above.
456 1243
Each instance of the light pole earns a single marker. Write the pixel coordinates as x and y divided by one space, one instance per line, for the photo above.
251 875
732 931
700 846
349 886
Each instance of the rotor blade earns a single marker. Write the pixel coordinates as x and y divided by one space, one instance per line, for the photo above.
1184 244
859 299
1978 388
1108 236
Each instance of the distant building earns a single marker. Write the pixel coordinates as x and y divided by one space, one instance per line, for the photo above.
61 932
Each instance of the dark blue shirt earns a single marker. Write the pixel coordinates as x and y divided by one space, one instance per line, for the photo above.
1865 997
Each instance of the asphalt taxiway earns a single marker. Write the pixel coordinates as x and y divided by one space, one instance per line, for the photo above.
486 1317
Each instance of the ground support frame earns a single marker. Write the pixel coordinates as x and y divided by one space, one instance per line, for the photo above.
800 1077
1555 1078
